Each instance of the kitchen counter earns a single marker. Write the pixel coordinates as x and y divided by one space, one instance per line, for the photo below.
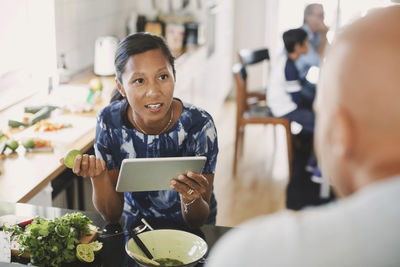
24 174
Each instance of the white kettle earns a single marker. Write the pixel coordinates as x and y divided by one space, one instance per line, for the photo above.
104 53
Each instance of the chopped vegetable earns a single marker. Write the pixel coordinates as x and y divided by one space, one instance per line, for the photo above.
96 246
52 242
42 114
12 144
35 109
15 124
29 143
84 252
47 126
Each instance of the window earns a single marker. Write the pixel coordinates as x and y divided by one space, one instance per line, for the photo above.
27 48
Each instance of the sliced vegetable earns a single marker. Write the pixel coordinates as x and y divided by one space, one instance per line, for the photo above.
35 109
96 246
25 223
14 123
42 114
84 252
3 143
12 144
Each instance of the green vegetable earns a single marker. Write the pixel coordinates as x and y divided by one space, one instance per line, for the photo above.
35 109
3 143
96 246
52 242
29 143
42 114
84 253
169 262
14 124
12 144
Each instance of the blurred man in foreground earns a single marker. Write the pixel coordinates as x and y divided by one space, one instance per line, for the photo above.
357 140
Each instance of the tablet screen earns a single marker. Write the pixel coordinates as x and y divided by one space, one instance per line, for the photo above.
153 174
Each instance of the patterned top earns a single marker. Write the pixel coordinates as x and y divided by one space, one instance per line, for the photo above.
194 134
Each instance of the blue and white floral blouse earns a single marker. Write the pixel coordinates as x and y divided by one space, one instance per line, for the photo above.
194 134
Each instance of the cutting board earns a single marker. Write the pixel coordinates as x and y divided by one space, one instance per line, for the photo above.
80 126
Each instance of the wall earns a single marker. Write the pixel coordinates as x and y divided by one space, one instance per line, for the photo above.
250 33
217 75
27 48
80 22
202 79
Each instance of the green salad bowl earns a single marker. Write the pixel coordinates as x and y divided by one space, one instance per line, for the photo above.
177 245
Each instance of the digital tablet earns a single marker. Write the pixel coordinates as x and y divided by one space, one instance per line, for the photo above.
153 174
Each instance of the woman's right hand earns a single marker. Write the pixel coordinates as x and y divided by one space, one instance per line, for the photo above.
88 166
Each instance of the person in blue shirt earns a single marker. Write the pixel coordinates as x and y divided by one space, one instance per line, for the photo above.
316 31
146 122
290 96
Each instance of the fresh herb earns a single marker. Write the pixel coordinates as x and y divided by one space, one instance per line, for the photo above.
169 262
52 242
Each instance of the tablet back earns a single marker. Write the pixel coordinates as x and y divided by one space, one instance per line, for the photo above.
153 174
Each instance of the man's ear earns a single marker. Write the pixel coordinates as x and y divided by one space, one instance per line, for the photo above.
120 88
296 47
344 134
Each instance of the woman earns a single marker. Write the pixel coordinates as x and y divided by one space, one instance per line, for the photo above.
148 122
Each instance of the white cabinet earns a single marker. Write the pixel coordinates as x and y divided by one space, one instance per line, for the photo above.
206 80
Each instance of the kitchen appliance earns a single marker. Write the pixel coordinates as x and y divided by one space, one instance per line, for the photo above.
191 34
104 53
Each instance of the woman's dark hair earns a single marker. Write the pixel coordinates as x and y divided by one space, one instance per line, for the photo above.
293 37
138 43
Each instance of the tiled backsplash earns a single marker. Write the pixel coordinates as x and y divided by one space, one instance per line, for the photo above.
80 22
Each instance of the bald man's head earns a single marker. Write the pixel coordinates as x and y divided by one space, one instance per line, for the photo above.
358 109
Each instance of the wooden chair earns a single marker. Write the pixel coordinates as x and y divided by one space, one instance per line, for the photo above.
253 114
251 57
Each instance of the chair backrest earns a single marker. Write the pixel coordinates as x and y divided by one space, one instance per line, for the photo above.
251 57
240 75
248 56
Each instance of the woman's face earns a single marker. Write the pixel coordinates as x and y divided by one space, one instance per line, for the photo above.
148 85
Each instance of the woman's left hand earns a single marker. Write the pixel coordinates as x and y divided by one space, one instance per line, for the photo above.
190 186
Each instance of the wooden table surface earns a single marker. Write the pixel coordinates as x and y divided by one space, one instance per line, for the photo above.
23 174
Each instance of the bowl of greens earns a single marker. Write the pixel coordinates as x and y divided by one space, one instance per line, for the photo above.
168 248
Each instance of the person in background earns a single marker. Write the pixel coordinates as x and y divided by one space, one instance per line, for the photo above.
357 141
148 122
316 30
288 96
